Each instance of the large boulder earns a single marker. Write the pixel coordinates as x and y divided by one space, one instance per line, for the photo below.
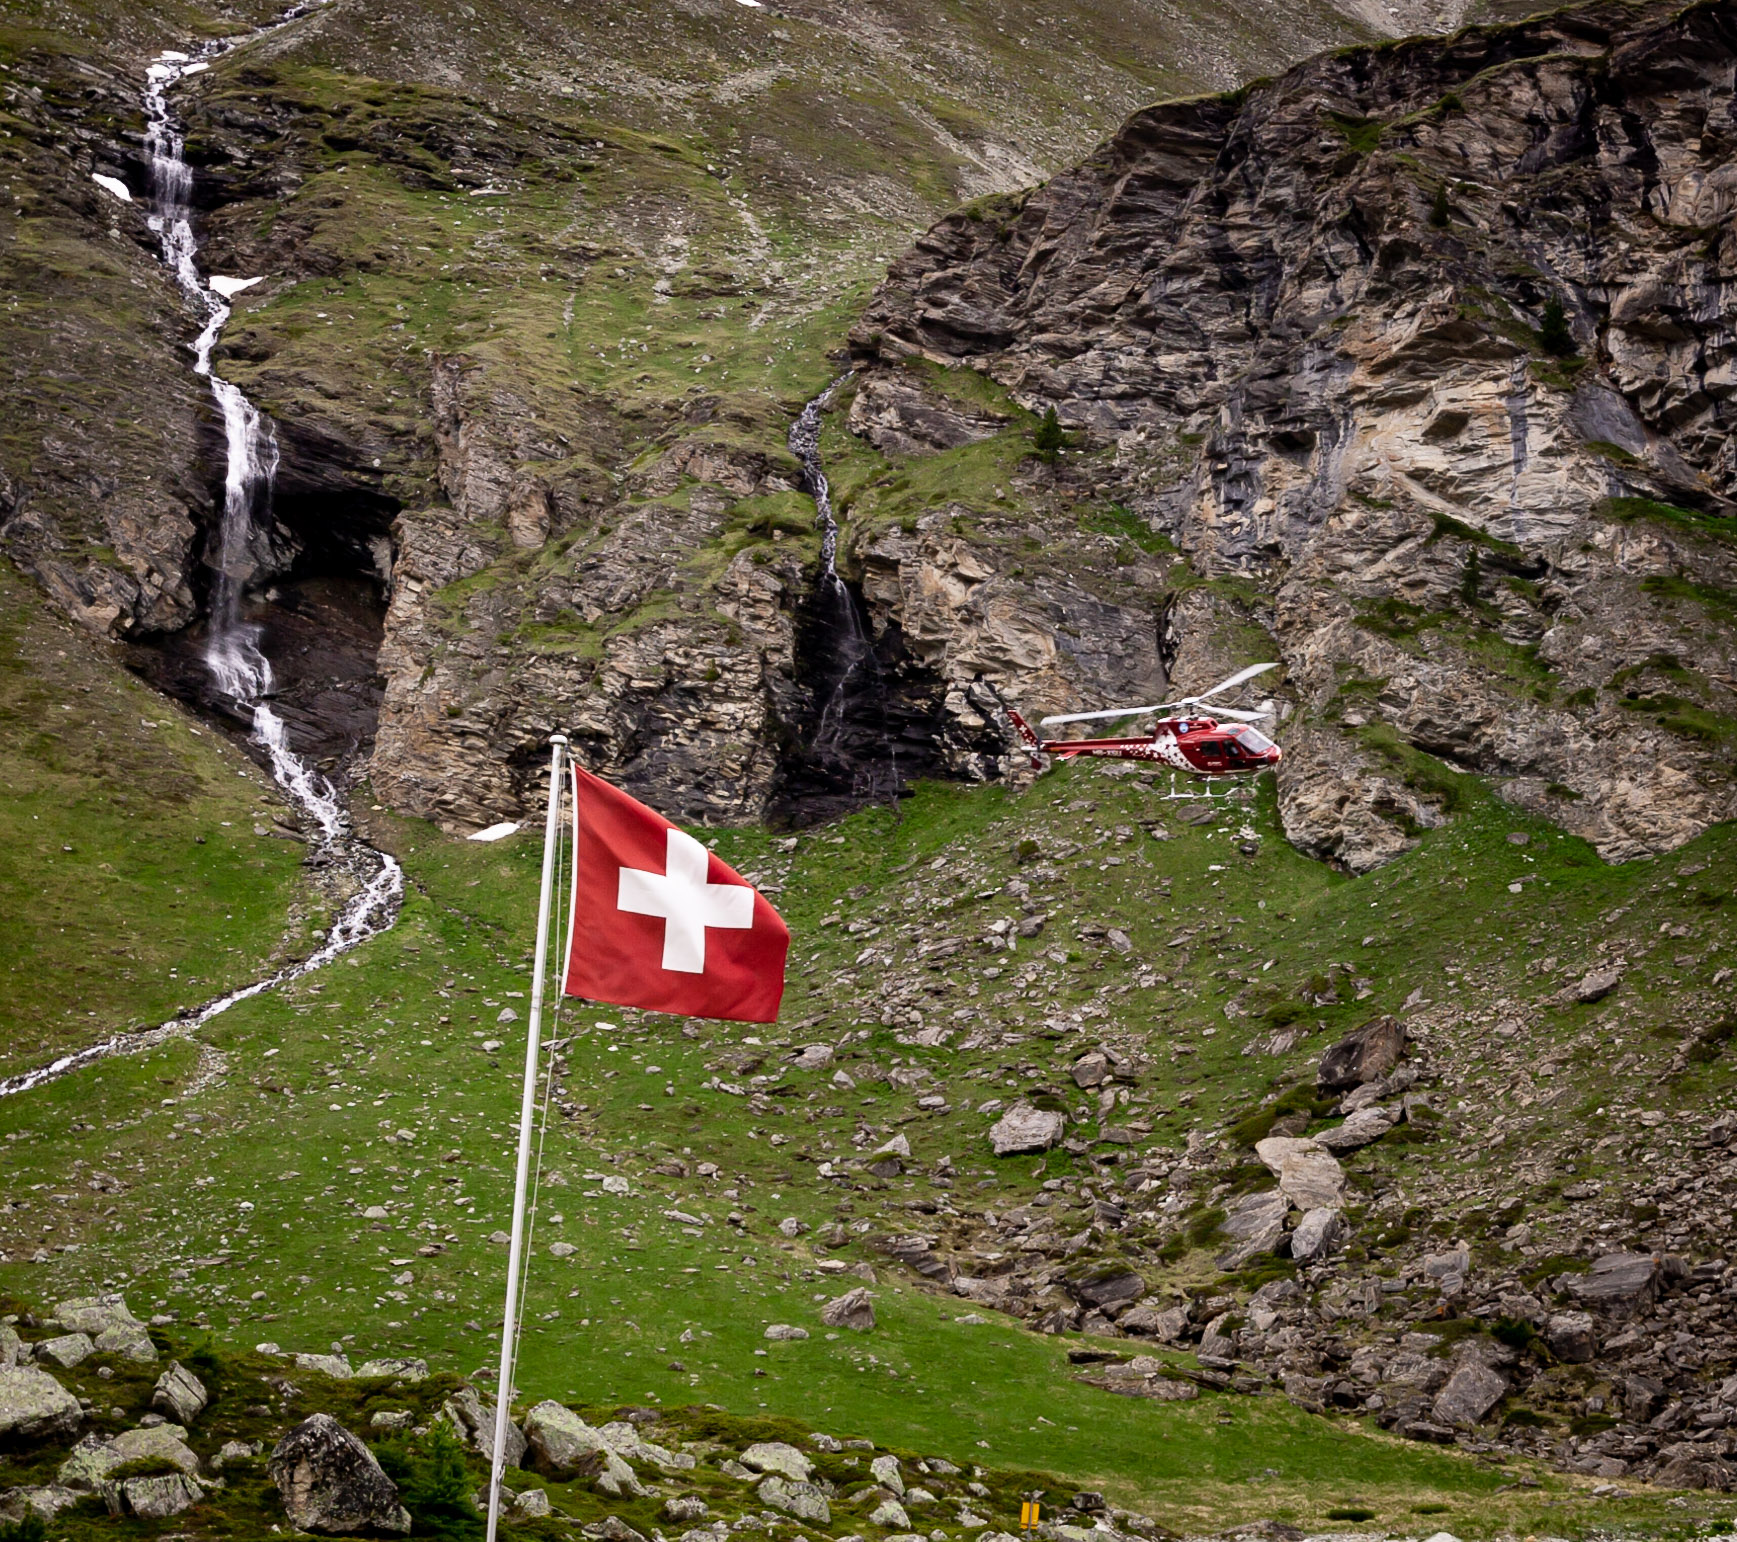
1107 1288
475 1422
180 1394
1255 1224
806 1501
1364 1056
563 1445
1026 1129
1471 1392
1318 1235
34 1406
1309 1175
1572 1337
1618 1283
87 1469
1363 1128
780 1457
854 1309
154 1498
110 1323
330 1483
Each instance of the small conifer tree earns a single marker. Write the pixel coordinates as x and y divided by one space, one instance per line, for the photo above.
1554 336
1047 439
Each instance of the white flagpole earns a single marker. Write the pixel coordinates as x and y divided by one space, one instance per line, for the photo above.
527 1111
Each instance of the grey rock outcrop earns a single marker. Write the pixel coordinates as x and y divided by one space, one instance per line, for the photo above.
111 1325
855 1309
179 1394
1306 324
1309 1175
1367 1055
563 1445
1026 1129
806 1501
778 1456
474 1421
330 1483
34 1406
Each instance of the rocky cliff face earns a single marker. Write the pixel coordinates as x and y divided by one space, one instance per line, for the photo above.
1421 354
541 293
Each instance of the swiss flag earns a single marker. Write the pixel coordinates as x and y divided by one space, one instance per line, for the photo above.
660 923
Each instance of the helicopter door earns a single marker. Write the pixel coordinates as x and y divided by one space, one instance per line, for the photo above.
1212 752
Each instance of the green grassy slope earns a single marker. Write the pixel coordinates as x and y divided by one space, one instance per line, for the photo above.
142 864
390 1081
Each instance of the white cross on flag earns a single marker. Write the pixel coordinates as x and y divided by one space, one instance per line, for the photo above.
661 923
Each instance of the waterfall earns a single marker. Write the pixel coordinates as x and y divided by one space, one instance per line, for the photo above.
234 653
850 668
804 442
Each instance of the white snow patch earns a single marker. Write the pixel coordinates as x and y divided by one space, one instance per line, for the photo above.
174 57
751 4
230 287
495 832
112 185
194 69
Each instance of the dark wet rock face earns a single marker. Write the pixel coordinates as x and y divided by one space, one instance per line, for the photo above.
1424 345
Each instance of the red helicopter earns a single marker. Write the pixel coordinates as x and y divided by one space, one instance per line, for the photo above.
1197 743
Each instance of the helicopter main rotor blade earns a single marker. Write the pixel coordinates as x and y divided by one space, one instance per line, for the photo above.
1087 717
1238 714
1236 679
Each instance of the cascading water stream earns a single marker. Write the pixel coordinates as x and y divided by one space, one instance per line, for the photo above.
234 656
856 666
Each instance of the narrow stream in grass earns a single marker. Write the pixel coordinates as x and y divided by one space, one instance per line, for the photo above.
234 656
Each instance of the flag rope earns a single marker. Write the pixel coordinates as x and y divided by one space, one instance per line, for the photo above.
555 1043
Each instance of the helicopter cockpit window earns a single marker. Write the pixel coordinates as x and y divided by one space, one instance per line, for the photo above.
1253 739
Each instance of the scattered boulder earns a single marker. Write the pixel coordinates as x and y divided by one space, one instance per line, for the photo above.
1025 1129
109 1321
777 1456
401 1370
475 1422
1164 1323
46 1500
155 1498
1319 1235
1595 985
1255 1224
1570 1337
885 1471
806 1501
783 1332
531 1504
13 1350
1619 1283
1366 1055
329 1482
685 1509
1363 1128
66 1351
180 1394
34 1406
891 1514
855 1309
335 1366
563 1445
1471 1392
1309 1175
1108 1289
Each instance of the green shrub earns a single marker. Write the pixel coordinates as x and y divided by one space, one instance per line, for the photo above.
1047 439
32 1528
1554 336
434 1486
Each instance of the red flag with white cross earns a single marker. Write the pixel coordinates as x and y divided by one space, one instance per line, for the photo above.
662 923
